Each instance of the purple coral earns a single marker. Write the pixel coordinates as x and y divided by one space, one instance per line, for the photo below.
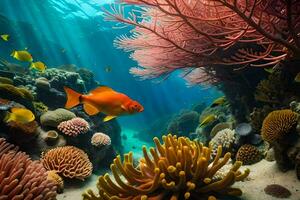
74 126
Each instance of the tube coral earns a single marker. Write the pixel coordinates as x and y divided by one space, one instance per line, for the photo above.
22 178
179 169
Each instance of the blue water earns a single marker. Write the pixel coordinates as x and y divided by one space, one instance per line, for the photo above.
74 32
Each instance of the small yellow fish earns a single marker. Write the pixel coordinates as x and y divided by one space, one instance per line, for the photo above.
218 101
21 115
297 78
208 119
40 66
269 70
22 56
5 37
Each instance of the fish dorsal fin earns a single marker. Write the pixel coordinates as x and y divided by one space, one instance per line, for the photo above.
109 117
101 89
90 109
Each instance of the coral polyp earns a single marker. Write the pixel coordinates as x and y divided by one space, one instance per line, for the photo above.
177 169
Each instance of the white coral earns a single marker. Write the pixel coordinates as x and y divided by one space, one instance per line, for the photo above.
225 138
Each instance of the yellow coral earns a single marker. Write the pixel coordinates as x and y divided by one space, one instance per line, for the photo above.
179 169
26 93
277 124
59 182
248 154
68 161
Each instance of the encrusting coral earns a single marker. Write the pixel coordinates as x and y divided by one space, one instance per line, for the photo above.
68 161
22 178
179 169
248 154
277 124
74 127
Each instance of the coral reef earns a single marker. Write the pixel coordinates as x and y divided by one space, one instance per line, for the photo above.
277 191
22 178
224 138
184 123
68 161
179 169
51 137
257 117
74 127
55 117
248 154
278 124
100 139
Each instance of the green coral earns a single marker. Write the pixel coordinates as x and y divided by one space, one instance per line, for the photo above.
6 80
55 117
40 107
26 93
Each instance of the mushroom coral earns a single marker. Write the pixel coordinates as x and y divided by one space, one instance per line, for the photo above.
22 178
179 169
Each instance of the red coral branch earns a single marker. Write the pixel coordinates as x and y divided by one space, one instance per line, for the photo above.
190 34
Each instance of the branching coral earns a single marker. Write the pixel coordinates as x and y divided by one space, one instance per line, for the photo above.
68 161
179 169
74 127
190 34
277 124
22 178
224 138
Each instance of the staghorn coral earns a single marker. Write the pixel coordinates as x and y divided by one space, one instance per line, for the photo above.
179 169
225 138
248 154
22 178
74 127
68 161
100 139
277 124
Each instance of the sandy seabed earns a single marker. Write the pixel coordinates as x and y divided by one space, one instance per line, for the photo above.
261 175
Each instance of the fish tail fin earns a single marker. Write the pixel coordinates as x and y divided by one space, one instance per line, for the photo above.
8 117
13 53
73 98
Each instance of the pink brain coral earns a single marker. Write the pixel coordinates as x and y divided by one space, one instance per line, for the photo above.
74 126
100 139
21 178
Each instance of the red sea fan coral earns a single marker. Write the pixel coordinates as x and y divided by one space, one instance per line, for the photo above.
22 178
189 34
74 126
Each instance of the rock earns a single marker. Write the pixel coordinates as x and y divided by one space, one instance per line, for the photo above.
54 118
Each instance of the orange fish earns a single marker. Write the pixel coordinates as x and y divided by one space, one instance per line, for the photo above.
103 99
